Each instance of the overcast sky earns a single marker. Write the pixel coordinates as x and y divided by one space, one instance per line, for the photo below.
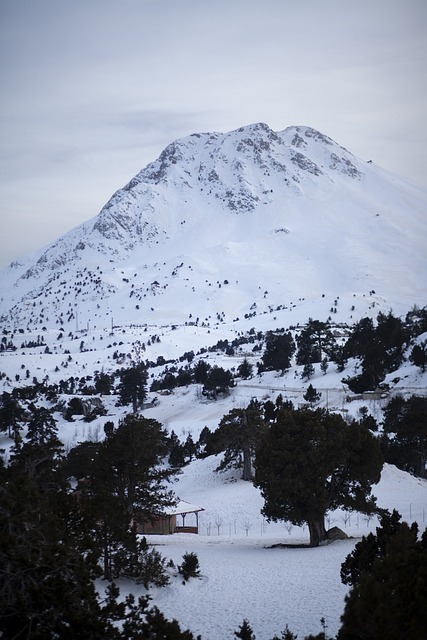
93 90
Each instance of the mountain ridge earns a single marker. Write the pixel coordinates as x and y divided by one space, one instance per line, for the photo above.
222 222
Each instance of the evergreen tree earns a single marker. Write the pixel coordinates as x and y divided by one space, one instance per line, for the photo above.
312 395
238 435
418 355
278 353
314 342
245 370
176 451
362 336
218 380
245 632
189 448
48 568
380 349
41 452
388 575
103 383
46 588
309 462
190 567
405 434
324 365
308 371
132 387
126 484
200 371
205 444
11 414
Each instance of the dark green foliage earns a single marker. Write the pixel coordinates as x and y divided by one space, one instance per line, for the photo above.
405 434
189 448
205 443
218 381
418 356
132 386
51 540
245 632
338 356
40 454
245 370
125 483
308 371
11 414
103 383
314 342
279 349
142 563
361 559
392 336
312 395
176 451
74 408
270 410
388 574
238 435
287 635
47 580
190 567
200 371
380 348
309 462
362 335
79 460
324 365
46 588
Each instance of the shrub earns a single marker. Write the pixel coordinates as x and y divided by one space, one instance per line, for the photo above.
190 567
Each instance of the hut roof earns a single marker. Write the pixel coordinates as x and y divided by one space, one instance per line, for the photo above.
182 508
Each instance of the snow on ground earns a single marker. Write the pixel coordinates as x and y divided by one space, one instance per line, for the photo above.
244 576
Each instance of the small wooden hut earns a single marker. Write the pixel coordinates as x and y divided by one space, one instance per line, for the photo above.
182 518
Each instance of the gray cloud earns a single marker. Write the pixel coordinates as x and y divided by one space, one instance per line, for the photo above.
93 91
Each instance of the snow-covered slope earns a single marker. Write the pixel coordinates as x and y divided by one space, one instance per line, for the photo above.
223 226
244 576
224 233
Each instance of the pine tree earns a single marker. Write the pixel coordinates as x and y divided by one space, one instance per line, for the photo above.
278 353
308 371
46 587
388 574
218 380
309 462
245 632
314 342
126 484
40 454
245 369
132 387
405 434
11 414
312 395
238 435
418 355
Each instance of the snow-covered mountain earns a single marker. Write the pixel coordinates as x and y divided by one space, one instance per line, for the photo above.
227 226
222 234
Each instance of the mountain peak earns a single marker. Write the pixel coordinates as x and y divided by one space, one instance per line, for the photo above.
290 213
